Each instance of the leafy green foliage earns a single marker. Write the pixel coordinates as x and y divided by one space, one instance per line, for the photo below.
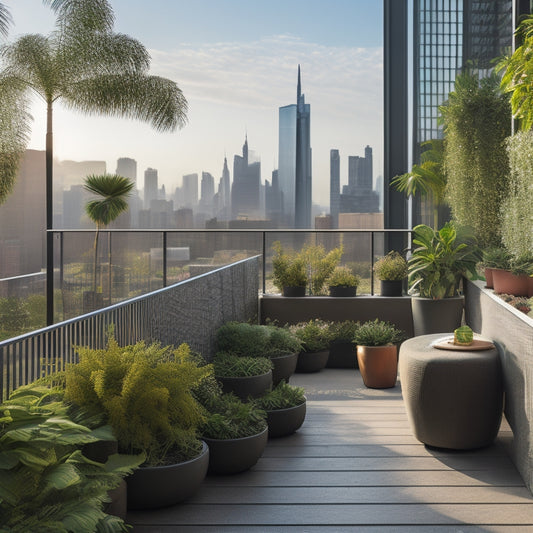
343 331
288 269
315 335
281 397
319 265
392 267
517 209
253 340
476 124
145 392
230 418
496 257
342 276
518 75
46 483
377 333
227 365
441 259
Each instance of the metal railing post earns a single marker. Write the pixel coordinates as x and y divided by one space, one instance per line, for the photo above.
164 258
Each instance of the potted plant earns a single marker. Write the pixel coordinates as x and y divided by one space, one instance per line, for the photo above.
494 258
235 431
111 191
253 340
48 482
343 282
244 376
436 268
285 407
319 265
145 393
516 279
315 337
289 274
342 350
377 353
391 270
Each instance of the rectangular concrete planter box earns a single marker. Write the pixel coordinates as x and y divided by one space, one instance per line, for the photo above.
360 308
512 330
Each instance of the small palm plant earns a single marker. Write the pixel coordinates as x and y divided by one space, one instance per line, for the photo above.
111 191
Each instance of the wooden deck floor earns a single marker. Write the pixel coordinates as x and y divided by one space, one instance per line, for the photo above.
354 466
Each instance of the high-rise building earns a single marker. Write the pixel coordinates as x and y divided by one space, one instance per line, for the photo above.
245 191
450 35
295 162
334 187
189 191
207 187
226 186
127 167
274 199
150 186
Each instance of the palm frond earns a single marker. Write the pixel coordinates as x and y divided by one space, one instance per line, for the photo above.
158 101
81 16
5 20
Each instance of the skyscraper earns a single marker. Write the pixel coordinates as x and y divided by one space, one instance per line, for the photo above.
207 187
245 191
334 186
127 167
295 165
189 191
150 186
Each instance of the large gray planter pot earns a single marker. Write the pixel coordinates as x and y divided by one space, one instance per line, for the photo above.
249 386
312 361
283 422
151 487
231 456
342 355
436 316
284 367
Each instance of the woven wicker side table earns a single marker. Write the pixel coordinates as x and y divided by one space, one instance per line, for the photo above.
454 399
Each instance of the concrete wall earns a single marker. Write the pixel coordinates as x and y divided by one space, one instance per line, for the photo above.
512 330
361 308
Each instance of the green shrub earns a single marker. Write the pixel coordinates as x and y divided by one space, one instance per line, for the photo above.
288 268
392 267
315 335
281 397
378 333
145 393
230 418
343 331
319 265
342 276
227 365
496 257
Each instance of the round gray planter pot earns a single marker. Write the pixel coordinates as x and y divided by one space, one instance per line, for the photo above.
312 361
249 386
436 316
151 487
231 456
342 355
391 287
284 367
283 422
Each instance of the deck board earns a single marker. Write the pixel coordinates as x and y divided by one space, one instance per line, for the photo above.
355 466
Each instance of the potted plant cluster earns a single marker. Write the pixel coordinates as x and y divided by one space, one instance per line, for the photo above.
280 345
436 268
289 273
285 407
342 350
144 392
244 376
49 483
319 265
315 337
377 353
343 282
391 270
235 431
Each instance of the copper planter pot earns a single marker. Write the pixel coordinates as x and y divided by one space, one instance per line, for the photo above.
378 365
505 282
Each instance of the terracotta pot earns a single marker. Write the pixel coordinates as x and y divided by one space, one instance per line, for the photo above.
505 282
293 291
342 291
378 365
530 287
391 287
312 361
489 283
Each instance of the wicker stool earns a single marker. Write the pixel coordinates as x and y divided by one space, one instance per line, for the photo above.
454 399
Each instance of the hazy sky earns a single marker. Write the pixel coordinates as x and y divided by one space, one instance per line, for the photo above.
236 62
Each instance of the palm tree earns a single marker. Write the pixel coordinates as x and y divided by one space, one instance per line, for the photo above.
5 20
428 178
112 191
90 69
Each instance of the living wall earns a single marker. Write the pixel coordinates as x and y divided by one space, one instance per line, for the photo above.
477 120
517 209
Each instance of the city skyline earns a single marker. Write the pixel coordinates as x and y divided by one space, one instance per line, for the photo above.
235 77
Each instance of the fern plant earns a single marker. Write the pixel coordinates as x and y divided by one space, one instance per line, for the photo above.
48 485
230 365
145 393
281 397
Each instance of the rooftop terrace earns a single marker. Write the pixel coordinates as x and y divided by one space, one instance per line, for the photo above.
355 466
